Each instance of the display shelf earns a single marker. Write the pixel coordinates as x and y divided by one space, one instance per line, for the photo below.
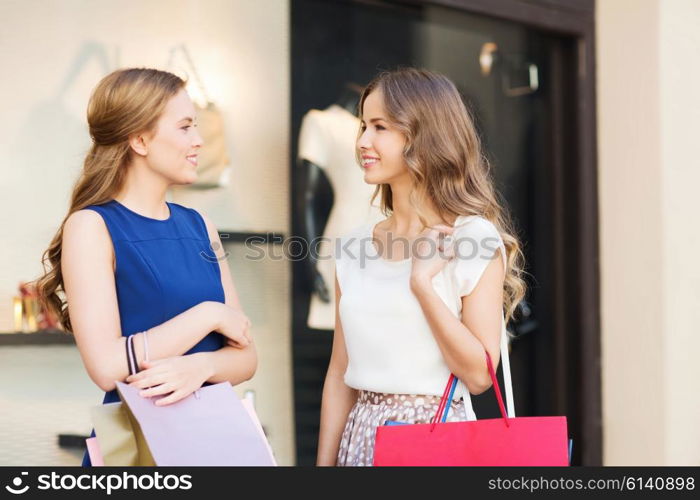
243 236
42 337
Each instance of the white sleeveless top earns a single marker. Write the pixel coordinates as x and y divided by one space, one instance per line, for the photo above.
390 346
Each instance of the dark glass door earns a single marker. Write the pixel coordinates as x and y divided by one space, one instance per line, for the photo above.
514 80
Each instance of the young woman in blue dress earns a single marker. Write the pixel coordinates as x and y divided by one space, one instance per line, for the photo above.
126 262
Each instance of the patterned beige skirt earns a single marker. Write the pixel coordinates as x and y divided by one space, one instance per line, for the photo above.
373 409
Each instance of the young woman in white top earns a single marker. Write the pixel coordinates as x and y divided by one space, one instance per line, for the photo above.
426 291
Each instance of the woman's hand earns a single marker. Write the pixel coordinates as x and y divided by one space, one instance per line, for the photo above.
231 343
178 377
432 253
234 325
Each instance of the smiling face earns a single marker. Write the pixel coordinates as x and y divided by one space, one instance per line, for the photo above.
380 144
172 150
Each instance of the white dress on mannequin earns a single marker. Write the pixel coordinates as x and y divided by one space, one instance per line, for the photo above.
327 139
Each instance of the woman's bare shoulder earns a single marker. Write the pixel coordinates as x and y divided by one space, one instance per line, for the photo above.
85 223
85 236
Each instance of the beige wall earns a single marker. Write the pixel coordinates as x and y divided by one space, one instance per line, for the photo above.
648 115
680 123
242 52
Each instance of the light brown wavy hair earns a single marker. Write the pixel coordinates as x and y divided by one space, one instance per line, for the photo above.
445 160
126 102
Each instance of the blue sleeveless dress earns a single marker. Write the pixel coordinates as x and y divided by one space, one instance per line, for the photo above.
163 268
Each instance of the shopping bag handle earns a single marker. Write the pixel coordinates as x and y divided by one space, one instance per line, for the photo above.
188 58
497 389
131 356
444 406
446 396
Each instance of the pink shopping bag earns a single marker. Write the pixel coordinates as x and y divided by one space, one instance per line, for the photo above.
209 427
93 449
506 441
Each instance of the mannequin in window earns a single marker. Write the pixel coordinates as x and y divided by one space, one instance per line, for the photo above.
327 153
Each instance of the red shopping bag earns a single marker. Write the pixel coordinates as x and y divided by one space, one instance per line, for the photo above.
505 441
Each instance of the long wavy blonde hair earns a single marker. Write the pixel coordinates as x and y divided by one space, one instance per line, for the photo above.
125 102
445 160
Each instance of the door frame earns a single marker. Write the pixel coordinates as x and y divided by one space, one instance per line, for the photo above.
577 366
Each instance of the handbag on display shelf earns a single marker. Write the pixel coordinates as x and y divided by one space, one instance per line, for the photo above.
505 441
213 168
